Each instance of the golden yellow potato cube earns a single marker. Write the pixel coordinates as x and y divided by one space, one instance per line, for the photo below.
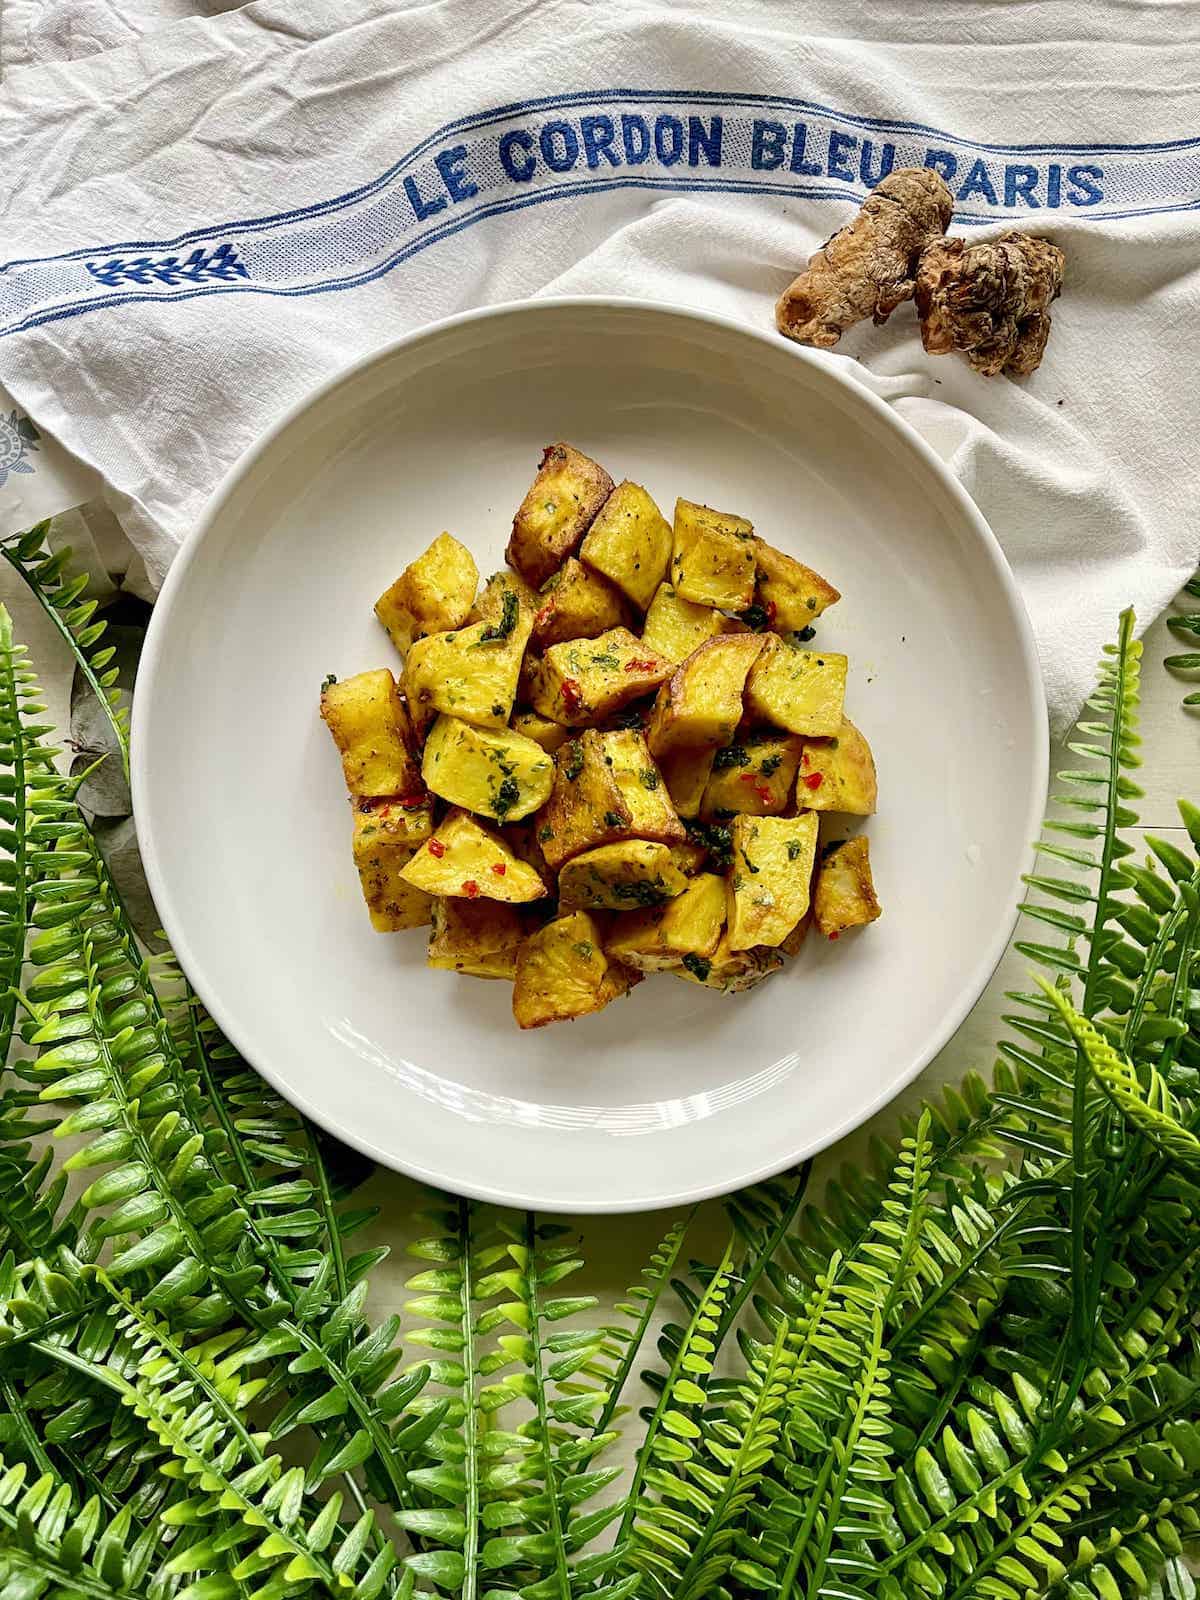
492 603
792 594
478 938
791 945
466 860
712 561
433 594
844 896
521 839
577 604
563 973
471 673
701 704
675 627
494 771
686 774
663 936
586 807
613 877
387 834
579 682
556 512
753 776
690 857
838 773
642 787
630 543
370 726
797 689
550 735
728 970
769 881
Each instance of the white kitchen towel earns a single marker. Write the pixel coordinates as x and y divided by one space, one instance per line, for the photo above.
200 226
62 30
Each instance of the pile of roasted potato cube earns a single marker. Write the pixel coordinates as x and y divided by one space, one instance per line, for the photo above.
612 759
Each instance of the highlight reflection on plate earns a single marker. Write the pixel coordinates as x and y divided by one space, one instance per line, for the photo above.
674 1092
480 1105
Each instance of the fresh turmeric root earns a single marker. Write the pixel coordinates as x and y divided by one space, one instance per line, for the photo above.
989 300
867 269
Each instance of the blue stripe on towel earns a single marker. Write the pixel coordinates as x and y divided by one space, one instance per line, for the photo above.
566 146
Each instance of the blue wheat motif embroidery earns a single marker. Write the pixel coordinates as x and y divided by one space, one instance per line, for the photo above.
202 266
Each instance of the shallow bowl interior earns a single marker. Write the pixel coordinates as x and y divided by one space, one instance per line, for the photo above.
675 1092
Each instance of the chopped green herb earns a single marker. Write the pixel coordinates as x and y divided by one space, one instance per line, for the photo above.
642 894
755 617
794 848
614 819
605 658
733 755
770 765
329 679
750 867
585 948
573 765
714 838
507 796
650 778
497 709
545 833
811 603
698 966
507 622
806 633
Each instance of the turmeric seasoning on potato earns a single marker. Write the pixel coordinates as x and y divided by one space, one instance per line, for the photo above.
607 775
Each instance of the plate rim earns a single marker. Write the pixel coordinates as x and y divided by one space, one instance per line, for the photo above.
155 644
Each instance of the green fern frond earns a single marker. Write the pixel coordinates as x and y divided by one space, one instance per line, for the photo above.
60 594
1149 1105
717 1487
238 1511
621 1345
507 1500
26 773
1082 907
1186 625
53 1551
670 1440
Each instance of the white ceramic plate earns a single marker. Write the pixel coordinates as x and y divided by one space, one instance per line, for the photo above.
675 1092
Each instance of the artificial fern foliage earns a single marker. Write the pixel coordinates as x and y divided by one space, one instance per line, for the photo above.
967 1371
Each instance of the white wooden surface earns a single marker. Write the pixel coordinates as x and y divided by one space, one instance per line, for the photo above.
617 1247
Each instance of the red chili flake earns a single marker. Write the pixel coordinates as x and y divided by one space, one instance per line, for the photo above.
814 780
771 610
499 868
437 848
641 664
470 888
804 759
544 615
835 935
760 789
572 696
